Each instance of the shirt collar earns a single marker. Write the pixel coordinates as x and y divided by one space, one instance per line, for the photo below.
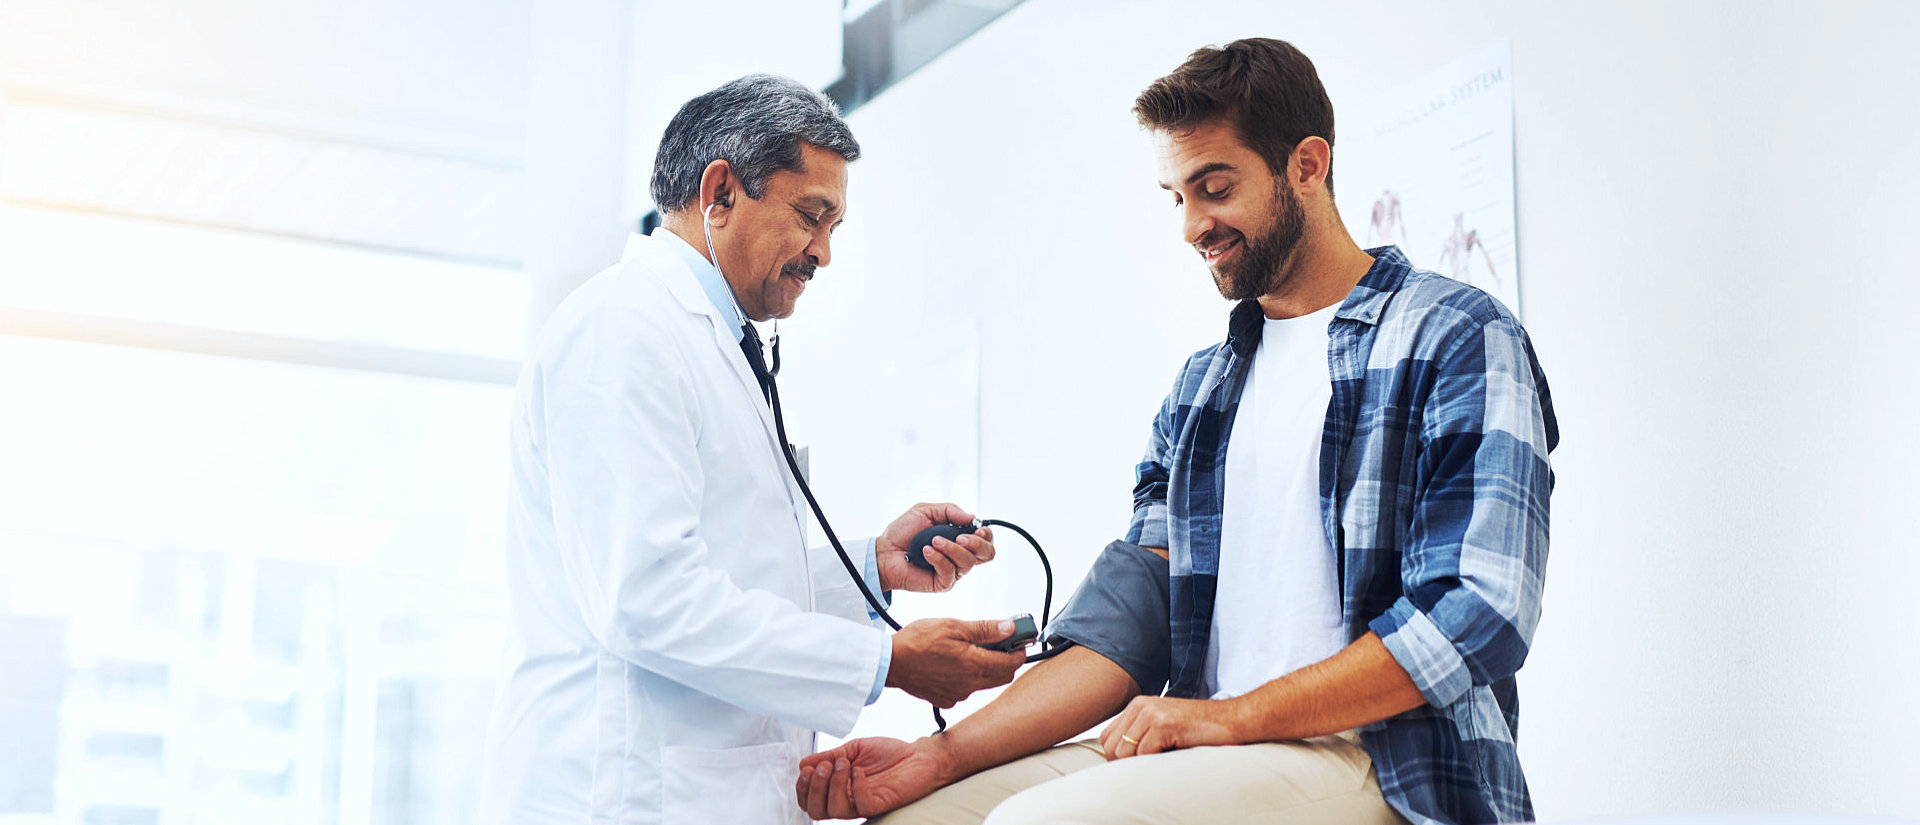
1364 304
1369 297
710 280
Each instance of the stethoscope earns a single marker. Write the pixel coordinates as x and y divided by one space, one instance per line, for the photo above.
765 374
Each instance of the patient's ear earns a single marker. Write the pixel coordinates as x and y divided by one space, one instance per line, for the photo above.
1161 552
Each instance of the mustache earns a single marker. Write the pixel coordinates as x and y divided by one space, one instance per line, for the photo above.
803 269
1215 238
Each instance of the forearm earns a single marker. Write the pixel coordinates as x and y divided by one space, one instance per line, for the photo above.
1058 698
1359 685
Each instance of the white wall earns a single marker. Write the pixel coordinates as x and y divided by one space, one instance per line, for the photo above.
682 50
1713 199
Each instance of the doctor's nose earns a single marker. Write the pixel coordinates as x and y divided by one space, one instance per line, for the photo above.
820 251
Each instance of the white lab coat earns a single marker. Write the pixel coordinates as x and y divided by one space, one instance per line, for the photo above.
674 643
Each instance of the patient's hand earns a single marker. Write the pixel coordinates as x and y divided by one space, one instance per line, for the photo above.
867 777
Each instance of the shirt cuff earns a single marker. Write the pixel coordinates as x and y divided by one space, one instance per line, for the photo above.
880 677
871 572
1425 652
1149 527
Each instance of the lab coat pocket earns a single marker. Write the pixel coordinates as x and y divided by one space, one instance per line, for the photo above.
749 784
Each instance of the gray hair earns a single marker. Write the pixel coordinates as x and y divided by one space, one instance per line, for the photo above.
756 124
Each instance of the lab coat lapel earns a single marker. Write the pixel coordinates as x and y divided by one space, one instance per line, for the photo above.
730 349
685 287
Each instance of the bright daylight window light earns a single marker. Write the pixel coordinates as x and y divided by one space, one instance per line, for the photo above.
244 591
223 279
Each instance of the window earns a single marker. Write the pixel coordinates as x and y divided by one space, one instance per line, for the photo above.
237 590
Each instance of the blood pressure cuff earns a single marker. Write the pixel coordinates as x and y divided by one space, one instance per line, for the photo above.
1120 612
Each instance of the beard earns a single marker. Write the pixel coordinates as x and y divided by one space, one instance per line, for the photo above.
1257 271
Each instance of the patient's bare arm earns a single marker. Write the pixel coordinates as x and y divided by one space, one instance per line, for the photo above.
1058 698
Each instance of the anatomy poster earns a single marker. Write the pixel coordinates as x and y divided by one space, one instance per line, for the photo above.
1429 167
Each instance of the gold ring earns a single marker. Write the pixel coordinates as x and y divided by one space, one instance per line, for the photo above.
1129 740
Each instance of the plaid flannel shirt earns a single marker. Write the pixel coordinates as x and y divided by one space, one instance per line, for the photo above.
1434 482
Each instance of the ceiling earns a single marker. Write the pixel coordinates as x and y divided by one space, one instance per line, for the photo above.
391 125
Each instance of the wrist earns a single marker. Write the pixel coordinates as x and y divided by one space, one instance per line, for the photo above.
878 572
1243 720
897 658
948 767
909 646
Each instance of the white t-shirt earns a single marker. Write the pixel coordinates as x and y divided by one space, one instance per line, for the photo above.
1277 606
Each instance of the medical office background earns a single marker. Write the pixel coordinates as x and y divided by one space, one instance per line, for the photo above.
267 267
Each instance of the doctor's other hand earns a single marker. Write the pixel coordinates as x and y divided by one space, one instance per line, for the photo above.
868 777
950 559
941 661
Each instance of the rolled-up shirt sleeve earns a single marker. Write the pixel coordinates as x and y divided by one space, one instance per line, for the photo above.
1474 563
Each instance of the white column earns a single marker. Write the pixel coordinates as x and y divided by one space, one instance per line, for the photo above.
359 612
576 146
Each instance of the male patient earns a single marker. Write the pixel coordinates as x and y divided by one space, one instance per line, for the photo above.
1352 491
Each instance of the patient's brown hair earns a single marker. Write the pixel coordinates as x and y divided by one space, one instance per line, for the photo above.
1266 88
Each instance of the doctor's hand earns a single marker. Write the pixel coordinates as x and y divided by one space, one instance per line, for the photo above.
950 560
868 777
941 661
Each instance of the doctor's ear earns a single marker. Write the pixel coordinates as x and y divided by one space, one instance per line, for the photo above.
716 188
722 202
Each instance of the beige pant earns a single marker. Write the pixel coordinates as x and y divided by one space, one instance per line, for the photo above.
1328 779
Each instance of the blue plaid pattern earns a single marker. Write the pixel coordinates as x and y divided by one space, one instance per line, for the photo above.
1434 483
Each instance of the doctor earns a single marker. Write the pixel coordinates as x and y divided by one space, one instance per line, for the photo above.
675 643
